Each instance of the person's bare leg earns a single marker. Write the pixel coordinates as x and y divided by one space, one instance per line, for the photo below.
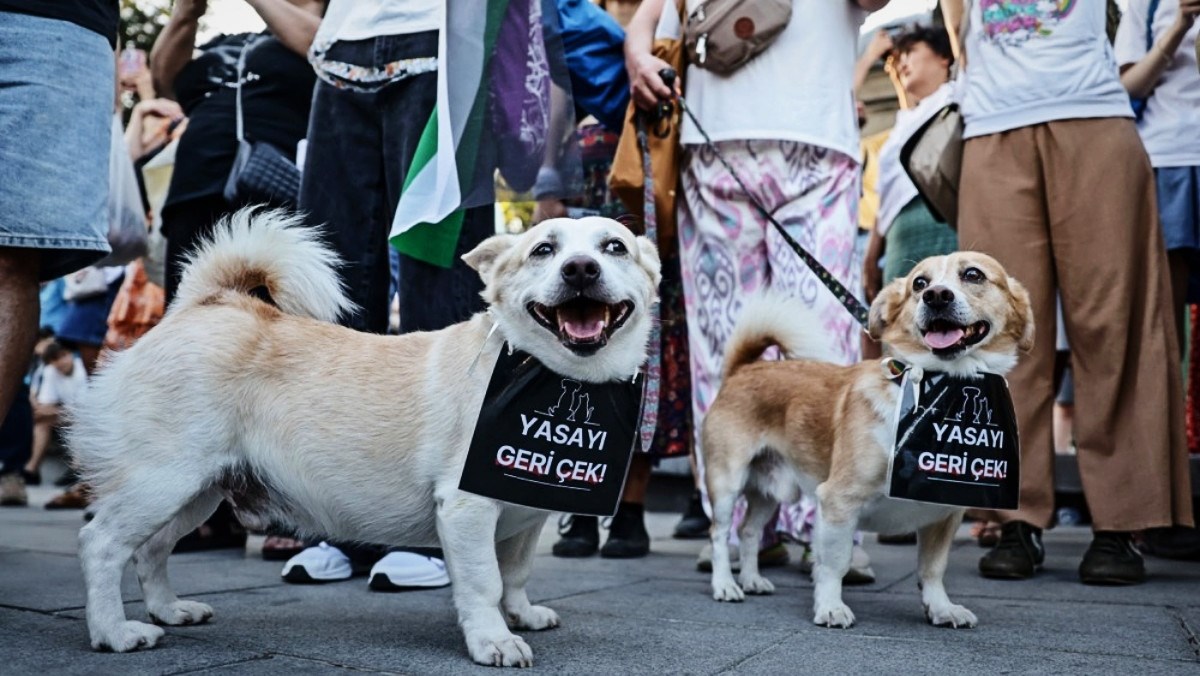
638 479
1177 263
90 355
19 307
43 428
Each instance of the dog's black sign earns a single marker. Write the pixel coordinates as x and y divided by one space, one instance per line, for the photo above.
956 442
548 441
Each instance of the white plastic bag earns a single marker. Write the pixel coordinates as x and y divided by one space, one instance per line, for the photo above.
127 231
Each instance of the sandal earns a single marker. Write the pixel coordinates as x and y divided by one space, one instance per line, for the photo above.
987 533
281 548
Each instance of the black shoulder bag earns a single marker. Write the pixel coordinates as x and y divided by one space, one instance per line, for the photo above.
261 172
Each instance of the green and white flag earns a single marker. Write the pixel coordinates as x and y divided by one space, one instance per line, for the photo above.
492 113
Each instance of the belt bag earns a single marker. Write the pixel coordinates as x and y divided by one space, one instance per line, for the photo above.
722 35
261 172
933 160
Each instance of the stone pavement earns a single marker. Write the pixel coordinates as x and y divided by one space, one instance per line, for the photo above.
652 616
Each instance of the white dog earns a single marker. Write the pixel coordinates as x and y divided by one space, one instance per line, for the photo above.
779 427
246 392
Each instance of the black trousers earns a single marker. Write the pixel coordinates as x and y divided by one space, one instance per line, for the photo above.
360 146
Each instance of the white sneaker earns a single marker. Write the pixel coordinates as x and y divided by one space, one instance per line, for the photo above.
323 563
401 571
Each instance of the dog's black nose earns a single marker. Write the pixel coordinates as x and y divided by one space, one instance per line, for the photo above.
937 297
580 272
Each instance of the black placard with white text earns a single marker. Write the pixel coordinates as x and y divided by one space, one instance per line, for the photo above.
551 442
956 442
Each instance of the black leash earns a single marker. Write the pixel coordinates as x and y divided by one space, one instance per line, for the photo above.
839 291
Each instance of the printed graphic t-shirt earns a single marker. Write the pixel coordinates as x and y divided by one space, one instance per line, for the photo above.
1170 124
100 16
799 89
1034 61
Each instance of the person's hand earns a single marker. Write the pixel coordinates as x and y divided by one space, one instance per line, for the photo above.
158 107
881 43
548 208
1188 11
191 9
645 84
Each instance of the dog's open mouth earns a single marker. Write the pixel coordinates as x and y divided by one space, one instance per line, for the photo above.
582 324
946 338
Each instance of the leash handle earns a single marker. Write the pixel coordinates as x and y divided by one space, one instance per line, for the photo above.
848 300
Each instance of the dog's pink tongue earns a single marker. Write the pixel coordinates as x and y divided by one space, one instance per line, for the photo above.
581 325
942 339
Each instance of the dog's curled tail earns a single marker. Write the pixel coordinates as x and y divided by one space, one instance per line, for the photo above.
773 320
269 250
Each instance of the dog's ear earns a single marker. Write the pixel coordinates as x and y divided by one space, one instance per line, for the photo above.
884 309
1021 315
648 257
483 257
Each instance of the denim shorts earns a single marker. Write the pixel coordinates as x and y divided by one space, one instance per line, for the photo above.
1179 206
56 104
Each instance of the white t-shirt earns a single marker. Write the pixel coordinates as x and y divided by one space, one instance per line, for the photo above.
59 389
1170 124
363 19
896 189
1034 61
799 89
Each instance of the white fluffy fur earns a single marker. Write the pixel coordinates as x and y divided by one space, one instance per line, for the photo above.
338 433
278 243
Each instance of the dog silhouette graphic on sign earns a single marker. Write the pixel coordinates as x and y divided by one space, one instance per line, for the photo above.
981 413
575 399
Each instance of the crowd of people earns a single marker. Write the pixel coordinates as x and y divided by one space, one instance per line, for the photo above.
1080 173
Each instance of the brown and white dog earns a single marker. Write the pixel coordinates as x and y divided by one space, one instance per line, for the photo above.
340 434
779 428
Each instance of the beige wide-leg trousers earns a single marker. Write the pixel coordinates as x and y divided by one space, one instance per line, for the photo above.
1070 205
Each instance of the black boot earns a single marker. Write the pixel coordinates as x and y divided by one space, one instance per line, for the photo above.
627 536
1112 559
580 536
1018 554
694 523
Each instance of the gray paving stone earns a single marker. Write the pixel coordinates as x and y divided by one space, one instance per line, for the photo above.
34 643
194 573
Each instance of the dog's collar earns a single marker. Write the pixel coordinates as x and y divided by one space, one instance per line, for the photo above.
894 369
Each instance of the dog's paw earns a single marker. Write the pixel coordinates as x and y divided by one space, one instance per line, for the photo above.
837 616
181 613
727 590
533 618
951 615
127 636
504 651
756 585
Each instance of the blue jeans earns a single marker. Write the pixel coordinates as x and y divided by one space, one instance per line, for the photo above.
56 107
359 149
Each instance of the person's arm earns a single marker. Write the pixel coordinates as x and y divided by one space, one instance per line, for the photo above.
1140 78
645 85
880 45
175 44
872 274
952 13
135 131
293 26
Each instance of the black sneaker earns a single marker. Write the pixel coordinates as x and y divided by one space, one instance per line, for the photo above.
1018 554
627 536
580 536
1112 559
694 523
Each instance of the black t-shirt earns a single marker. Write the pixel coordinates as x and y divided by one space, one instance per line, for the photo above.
95 15
275 109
